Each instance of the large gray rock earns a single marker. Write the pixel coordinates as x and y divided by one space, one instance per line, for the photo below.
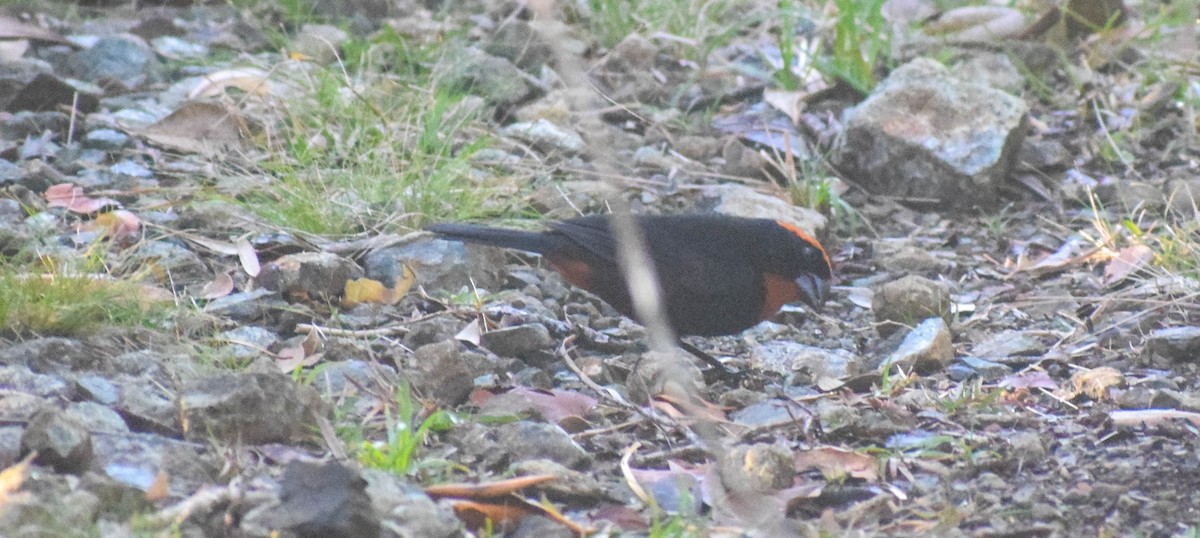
928 136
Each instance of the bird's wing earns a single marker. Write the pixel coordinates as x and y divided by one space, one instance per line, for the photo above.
592 233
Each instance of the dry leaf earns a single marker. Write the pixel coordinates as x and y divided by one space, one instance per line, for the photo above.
158 489
248 257
13 476
1128 261
471 333
119 223
788 102
248 79
198 127
71 197
218 287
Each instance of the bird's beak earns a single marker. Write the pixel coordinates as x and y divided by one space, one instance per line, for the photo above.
814 290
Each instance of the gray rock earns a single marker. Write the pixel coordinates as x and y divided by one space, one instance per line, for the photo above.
545 136
446 371
134 460
53 355
1011 346
742 201
1175 343
125 59
321 42
47 92
968 367
318 500
926 348
566 199
249 408
23 125
345 377
495 79
99 418
184 265
406 511
432 330
146 406
791 358
20 406
309 275
525 440
522 44
517 341
105 140
908 300
20 378
927 135
439 264
60 441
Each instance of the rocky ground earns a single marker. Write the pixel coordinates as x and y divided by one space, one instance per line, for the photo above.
220 317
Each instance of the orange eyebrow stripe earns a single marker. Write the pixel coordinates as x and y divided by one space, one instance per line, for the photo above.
804 235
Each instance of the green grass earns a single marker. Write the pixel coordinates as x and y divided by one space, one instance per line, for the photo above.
697 27
67 303
861 40
361 149
405 435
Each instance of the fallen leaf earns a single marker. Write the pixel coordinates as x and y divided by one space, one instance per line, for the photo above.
1128 261
248 79
72 198
364 290
790 103
248 257
158 489
119 223
198 127
471 333
220 286
13 476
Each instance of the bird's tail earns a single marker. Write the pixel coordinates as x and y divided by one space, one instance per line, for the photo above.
497 237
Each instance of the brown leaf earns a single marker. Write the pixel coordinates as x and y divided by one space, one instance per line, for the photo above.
199 127
248 79
220 286
248 257
119 223
158 489
71 197
1128 261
